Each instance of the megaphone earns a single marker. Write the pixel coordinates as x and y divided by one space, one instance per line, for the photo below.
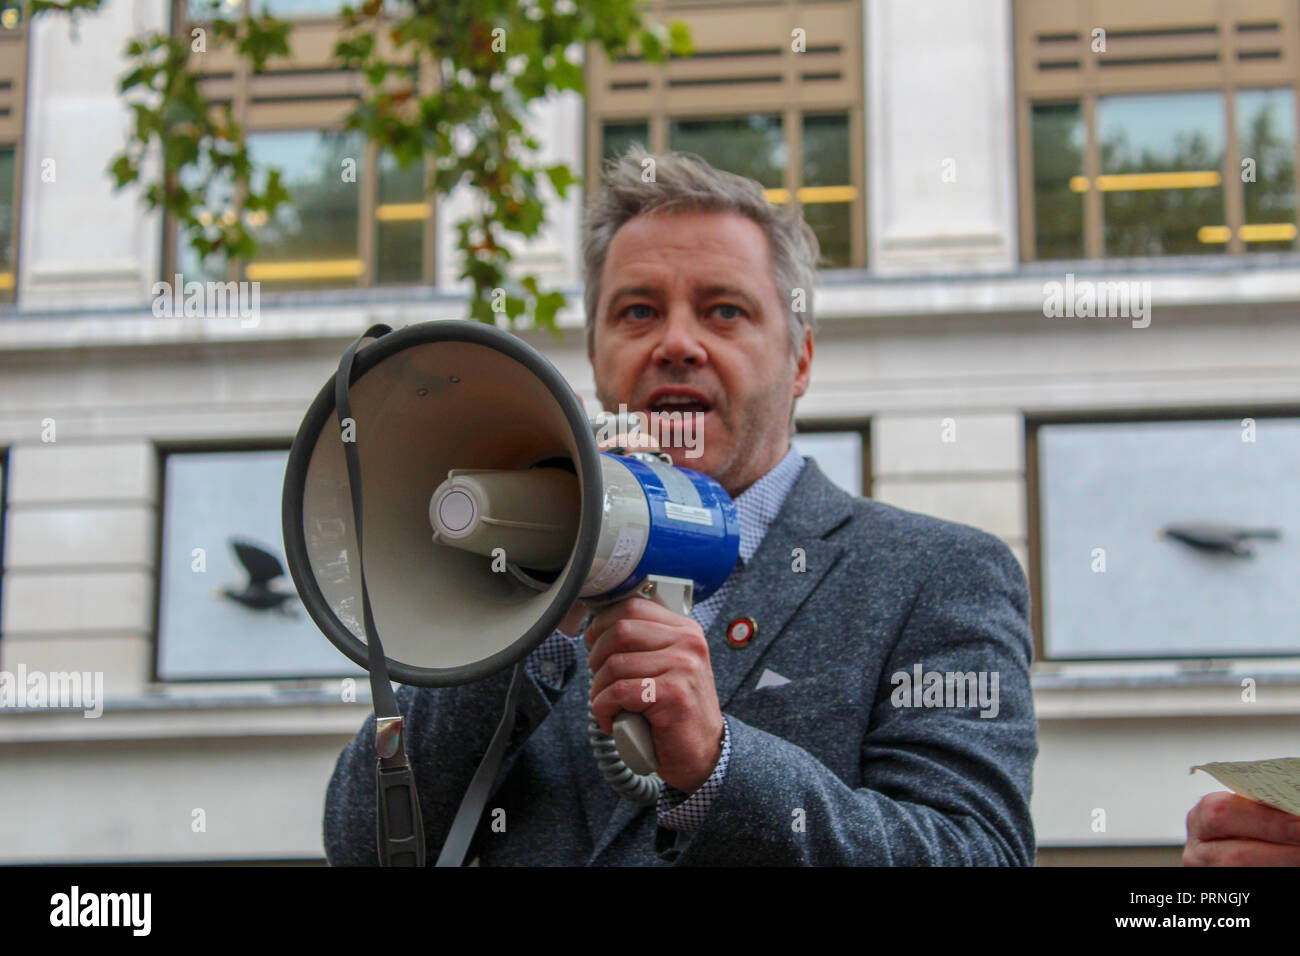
445 490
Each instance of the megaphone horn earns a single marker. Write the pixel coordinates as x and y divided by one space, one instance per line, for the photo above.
428 400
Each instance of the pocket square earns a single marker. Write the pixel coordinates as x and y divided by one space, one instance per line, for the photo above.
770 678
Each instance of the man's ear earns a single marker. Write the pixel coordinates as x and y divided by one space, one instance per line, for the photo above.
803 365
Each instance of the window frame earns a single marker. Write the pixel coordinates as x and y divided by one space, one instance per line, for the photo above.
1054 64
14 72
265 103
162 451
630 90
1033 490
857 423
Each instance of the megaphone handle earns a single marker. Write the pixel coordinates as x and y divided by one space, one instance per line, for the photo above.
632 733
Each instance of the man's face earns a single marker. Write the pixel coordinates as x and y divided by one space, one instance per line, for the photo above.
689 309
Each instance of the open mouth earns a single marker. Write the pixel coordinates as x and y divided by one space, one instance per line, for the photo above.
685 406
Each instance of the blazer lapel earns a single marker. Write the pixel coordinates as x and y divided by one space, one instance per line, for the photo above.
772 587
769 589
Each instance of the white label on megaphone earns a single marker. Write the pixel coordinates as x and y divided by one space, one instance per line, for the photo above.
626 553
688 513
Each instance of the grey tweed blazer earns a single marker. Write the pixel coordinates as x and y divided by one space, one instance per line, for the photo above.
836 766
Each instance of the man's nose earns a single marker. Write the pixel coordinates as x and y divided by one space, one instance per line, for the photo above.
679 341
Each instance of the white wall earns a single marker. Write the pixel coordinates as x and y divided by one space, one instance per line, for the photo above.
940 141
82 243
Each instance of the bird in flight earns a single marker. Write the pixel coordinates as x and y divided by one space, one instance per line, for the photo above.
262 568
1218 538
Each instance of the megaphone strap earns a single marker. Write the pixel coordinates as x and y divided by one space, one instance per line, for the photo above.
399 829
381 689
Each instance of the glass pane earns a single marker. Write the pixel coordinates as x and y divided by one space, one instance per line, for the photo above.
1266 135
838 454
617 137
400 217
826 149
216 625
8 208
200 10
219 203
312 241
1057 131
1141 490
1161 164
833 224
301 8
11 14
828 197
752 145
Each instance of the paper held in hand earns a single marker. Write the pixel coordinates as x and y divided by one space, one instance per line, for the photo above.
1273 782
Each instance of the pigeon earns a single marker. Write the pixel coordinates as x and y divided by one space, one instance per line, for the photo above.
263 567
1218 538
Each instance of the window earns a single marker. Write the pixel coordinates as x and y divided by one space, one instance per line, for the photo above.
356 218
8 221
617 137
13 78
1058 162
280 9
221 524
1266 135
752 145
790 120
1161 156
1159 130
303 9
316 237
827 194
1165 539
843 455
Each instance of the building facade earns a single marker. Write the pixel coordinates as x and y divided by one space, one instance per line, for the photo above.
1059 303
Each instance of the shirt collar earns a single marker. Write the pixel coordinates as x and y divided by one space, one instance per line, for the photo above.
760 503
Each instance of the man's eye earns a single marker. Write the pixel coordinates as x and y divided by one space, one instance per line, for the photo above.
726 311
630 308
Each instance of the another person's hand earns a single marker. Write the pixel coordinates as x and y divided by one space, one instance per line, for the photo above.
649 660
1226 829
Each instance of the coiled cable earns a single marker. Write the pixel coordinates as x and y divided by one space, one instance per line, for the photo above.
641 789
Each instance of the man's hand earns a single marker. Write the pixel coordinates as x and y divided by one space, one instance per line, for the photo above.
646 659
1226 829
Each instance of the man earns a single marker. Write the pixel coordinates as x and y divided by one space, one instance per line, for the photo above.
802 741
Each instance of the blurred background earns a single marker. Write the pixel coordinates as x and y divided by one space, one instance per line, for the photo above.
964 164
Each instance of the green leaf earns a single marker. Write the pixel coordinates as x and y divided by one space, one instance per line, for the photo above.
547 305
481 310
651 47
568 76
561 178
679 39
123 171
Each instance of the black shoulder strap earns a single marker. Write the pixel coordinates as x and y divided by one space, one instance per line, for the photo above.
400 830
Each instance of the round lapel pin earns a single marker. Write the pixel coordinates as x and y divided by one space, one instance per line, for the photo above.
741 631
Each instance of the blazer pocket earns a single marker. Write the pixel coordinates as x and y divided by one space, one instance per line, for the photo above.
820 700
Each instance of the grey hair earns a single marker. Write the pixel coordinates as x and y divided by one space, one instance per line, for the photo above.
639 182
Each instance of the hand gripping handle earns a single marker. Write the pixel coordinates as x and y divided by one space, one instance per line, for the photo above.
631 730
